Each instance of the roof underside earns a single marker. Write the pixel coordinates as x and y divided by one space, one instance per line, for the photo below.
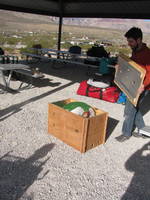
138 9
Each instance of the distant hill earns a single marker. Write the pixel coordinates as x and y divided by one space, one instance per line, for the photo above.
21 21
119 24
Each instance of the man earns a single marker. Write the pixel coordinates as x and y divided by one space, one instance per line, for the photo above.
132 114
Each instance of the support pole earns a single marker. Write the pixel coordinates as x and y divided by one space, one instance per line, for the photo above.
59 33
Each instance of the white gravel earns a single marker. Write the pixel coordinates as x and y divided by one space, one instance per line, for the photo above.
35 165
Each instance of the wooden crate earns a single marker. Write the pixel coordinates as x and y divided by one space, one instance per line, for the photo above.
76 131
129 78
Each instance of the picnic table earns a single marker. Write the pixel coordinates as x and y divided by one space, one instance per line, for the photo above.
20 68
65 57
11 68
59 56
61 53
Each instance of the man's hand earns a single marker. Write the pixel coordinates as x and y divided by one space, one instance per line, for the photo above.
141 89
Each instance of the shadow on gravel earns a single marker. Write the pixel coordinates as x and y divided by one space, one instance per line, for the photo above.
7 112
18 174
111 125
139 164
68 71
44 82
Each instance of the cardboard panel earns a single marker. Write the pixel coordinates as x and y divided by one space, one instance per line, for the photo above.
129 78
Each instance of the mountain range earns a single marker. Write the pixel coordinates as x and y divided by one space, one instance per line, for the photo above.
10 20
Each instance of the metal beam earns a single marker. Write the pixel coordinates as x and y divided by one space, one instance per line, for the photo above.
62 11
28 10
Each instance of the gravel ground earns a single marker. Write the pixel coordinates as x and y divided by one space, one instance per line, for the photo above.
35 165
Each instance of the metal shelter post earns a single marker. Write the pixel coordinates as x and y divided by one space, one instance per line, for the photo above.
60 26
59 33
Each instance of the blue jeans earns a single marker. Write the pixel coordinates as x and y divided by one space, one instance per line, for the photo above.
133 116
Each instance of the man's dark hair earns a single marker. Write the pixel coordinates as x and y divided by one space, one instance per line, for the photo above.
134 33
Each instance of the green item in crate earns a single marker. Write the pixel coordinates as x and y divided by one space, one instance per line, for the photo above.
80 108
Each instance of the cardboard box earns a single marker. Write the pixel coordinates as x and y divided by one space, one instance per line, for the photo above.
76 131
129 78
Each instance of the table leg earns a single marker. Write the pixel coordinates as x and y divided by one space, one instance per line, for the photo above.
7 81
4 79
9 77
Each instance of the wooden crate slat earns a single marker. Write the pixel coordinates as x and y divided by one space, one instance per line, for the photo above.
96 131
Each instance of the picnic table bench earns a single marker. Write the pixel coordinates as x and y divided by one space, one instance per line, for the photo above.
28 73
65 57
31 55
20 68
9 67
62 60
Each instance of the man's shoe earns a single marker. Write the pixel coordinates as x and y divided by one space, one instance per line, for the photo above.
137 134
122 138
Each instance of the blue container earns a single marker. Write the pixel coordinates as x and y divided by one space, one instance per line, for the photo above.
122 98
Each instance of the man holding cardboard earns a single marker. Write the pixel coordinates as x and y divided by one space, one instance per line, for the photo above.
132 114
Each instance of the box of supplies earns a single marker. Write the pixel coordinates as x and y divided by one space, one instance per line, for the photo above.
82 133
